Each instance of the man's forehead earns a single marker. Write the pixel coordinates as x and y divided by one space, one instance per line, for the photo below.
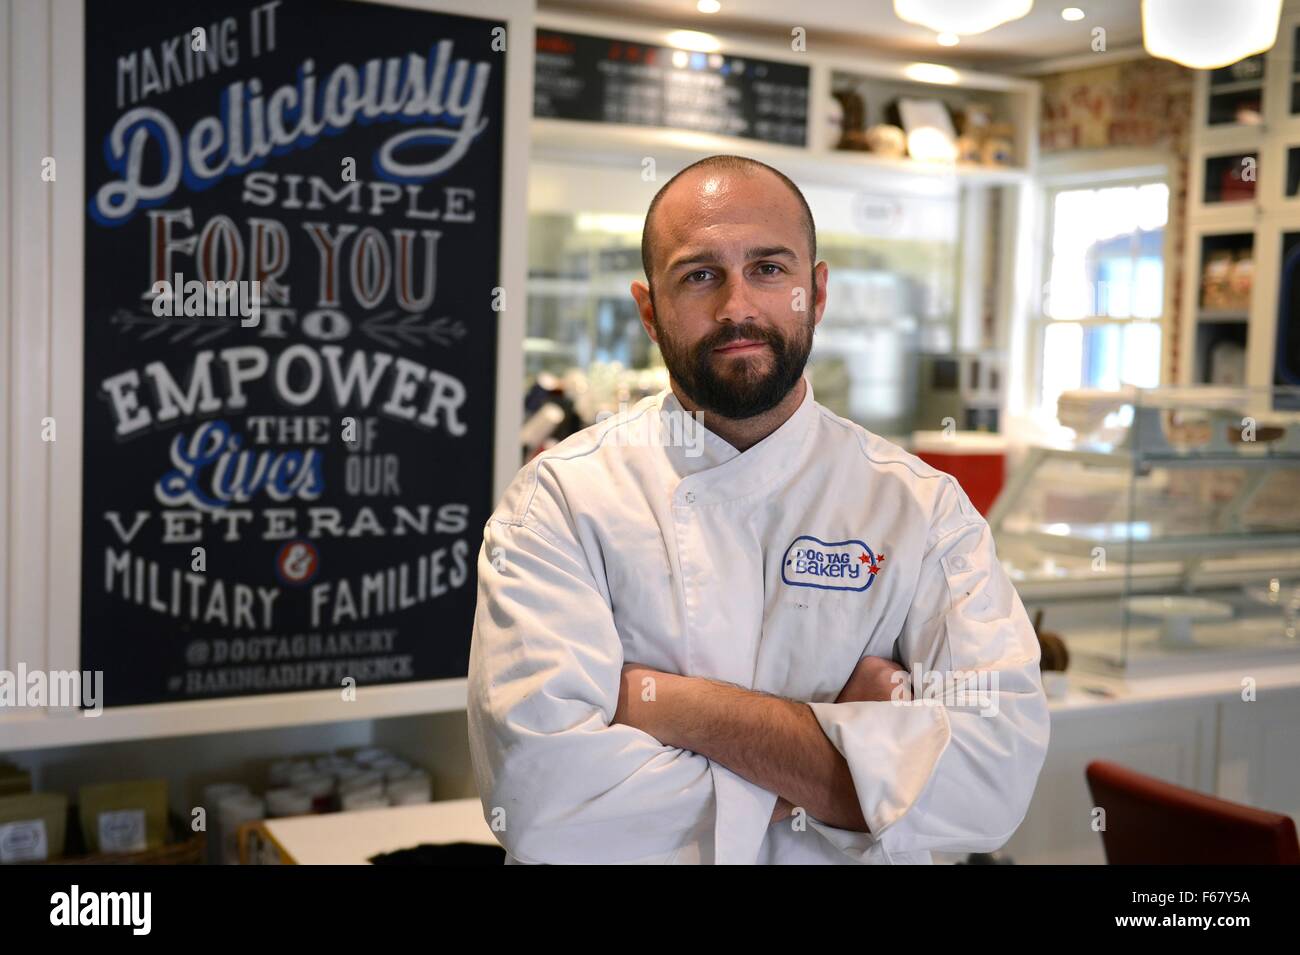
704 203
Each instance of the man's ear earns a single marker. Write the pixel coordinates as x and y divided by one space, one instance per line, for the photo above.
645 309
821 273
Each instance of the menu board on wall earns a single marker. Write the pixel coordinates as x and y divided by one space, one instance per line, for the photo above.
615 81
292 245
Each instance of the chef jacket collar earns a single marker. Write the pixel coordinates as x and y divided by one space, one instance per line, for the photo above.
723 473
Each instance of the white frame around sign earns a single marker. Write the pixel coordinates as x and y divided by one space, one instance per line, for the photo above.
40 544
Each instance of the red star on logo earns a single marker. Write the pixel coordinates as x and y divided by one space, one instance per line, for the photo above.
863 558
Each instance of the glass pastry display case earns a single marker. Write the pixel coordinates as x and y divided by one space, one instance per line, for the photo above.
1165 537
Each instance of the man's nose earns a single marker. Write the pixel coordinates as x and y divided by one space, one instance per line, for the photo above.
737 303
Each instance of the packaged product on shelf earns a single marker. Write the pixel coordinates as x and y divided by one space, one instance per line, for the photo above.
235 811
14 781
415 787
392 768
213 793
1215 293
364 799
32 827
124 817
287 802
370 754
1240 279
319 788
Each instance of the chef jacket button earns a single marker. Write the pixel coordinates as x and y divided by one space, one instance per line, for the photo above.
959 562
690 497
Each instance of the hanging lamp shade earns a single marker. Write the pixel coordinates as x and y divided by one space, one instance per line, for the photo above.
962 17
1208 34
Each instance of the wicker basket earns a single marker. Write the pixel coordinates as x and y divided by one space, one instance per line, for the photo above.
176 853
185 848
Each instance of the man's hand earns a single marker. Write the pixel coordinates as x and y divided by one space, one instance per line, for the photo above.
784 809
872 680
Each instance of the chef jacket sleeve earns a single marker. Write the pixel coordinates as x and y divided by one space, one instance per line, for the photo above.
558 782
954 768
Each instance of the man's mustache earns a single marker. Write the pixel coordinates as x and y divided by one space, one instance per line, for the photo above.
732 334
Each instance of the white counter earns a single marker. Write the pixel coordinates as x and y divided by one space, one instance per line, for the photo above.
352 838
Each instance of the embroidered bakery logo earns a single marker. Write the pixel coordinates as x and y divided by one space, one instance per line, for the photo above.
839 565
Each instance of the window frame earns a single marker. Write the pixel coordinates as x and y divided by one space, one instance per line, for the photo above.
1098 169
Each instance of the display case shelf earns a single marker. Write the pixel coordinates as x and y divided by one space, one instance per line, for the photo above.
1139 541
1190 506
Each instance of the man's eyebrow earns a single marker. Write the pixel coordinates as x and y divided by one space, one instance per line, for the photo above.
771 251
711 257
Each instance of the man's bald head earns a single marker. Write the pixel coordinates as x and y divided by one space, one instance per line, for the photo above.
740 165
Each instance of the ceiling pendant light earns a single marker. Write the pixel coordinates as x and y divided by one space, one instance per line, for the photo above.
1208 34
962 17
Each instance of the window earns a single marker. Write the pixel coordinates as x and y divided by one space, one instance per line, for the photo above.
1104 295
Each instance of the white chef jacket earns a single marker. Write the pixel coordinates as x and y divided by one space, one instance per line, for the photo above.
618 545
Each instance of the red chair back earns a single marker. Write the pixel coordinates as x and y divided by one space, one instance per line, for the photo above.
1152 822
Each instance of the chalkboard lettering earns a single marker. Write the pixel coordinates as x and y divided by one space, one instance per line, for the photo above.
291 257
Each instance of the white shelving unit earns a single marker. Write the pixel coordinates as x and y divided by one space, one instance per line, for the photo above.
1261 224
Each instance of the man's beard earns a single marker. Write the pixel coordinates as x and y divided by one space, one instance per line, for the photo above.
742 391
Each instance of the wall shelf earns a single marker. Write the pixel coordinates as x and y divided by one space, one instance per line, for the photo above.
40 728
559 140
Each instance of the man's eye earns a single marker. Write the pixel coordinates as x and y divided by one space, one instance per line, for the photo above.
776 269
690 276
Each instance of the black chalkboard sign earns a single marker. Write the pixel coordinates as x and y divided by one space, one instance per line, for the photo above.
615 81
291 271
1286 372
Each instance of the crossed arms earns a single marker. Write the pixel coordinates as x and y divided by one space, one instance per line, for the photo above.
574 765
773 742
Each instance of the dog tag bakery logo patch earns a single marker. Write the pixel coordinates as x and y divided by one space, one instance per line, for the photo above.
837 565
